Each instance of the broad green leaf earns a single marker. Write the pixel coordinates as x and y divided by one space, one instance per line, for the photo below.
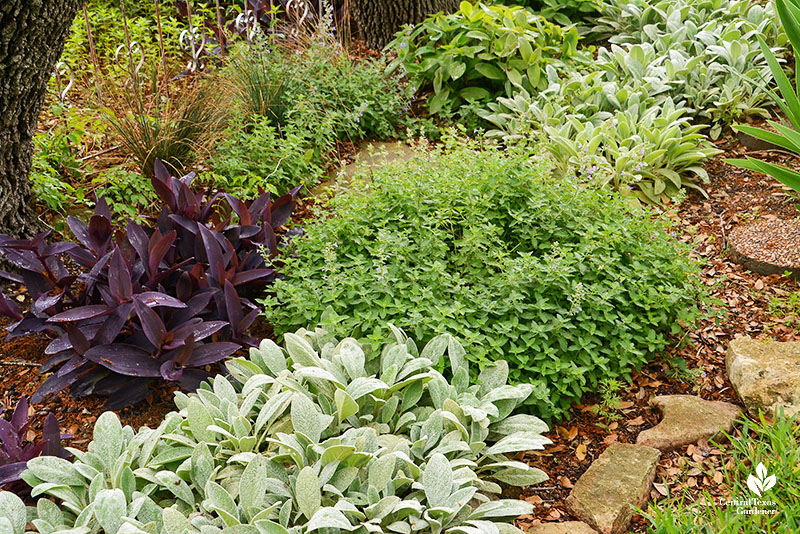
520 441
12 509
108 439
328 518
110 508
307 492
437 480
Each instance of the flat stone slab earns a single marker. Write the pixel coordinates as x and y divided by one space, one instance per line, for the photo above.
568 527
765 374
618 479
686 419
768 246
371 155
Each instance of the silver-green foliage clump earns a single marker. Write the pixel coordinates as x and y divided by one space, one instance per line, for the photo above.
305 438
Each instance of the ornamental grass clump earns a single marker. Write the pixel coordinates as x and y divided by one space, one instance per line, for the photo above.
567 284
310 437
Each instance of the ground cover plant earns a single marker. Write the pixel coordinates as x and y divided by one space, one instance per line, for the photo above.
147 301
306 438
540 272
481 52
771 444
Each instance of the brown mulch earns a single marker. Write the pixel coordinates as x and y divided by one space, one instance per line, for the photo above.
742 308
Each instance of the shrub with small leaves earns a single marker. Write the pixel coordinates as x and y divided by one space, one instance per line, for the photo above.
310 437
566 283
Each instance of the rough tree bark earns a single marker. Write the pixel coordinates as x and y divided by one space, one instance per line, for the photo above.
378 20
32 35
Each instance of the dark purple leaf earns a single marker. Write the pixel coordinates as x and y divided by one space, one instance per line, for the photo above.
11 472
170 371
100 233
212 353
74 363
199 330
159 246
155 298
20 416
78 339
119 277
54 384
52 436
252 275
124 359
9 308
113 325
45 302
80 314
152 325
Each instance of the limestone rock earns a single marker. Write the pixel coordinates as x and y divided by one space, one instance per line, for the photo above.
686 419
569 527
619 478
765 375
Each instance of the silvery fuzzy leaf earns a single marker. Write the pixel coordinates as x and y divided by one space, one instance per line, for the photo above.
406 419
271 357
127 482
492 376
415 366
46 510
108 439
328 517
502 508
432 430
398 333
264 383
285 513
507 528
435 348
202 465
199 419
253 484
219 500
242 370
110 508
457 356
267 513
437 479
514 476
175 485
364 386
248 403
54 470
381 470
487 487
382 508
519 441
393 357
301 352
401 527
345 405
453 421
351 356
518 423
224 390
172 454
439 390
344 477
272 409
350 509
307 492
476 527
337 453
461 498
306 419
457 463
174 522
129 528
13 511
317 373
270 527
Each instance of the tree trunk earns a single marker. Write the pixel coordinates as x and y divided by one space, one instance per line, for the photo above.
32 35
377 21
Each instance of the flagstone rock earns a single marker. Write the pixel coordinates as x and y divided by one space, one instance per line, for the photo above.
765 374
686 419
370 156
569 527
618 479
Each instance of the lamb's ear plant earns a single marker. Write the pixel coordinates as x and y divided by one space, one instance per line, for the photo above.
315 435
788 101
